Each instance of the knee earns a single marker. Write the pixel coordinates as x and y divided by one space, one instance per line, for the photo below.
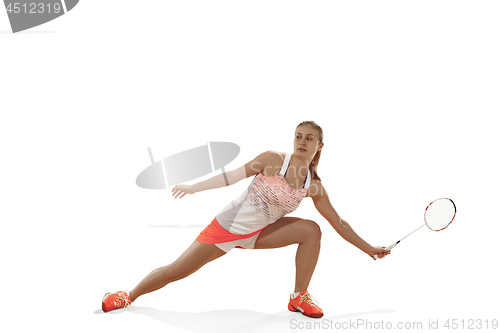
311 230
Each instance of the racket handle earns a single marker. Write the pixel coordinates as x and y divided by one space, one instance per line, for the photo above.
389 247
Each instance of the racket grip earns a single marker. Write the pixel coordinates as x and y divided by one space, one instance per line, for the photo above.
388 247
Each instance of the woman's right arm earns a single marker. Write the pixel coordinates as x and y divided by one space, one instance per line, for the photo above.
251 168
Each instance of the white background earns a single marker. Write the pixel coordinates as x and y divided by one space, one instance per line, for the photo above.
407 94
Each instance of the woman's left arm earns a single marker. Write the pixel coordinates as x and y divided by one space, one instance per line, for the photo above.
324 207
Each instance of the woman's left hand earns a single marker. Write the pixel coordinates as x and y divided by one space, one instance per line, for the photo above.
380 251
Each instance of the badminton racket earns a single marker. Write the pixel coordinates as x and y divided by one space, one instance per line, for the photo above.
437 216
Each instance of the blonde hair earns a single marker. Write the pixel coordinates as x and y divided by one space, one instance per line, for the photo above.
313 167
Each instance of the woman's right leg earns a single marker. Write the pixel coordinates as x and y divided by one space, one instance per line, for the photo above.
190 261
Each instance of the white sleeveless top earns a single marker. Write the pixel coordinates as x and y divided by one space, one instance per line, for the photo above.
266 200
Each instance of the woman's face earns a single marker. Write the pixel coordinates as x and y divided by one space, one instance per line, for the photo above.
306 142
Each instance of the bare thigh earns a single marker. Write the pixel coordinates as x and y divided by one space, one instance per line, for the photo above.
196 255
287 231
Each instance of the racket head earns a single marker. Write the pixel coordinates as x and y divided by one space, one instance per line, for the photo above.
440 213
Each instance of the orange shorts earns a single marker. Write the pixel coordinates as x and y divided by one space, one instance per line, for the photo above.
214 233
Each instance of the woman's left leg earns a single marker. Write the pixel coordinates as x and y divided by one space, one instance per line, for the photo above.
293 230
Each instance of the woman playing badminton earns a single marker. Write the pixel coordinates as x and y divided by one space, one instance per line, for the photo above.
256 220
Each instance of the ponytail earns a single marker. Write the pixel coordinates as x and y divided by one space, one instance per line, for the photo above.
313 167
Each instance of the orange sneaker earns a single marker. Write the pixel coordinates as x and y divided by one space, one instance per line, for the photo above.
304 304
117 300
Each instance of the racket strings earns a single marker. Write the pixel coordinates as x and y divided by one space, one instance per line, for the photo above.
440 214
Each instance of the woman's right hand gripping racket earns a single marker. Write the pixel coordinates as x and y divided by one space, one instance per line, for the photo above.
437 216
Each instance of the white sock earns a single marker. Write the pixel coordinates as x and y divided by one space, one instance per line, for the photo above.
295 295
